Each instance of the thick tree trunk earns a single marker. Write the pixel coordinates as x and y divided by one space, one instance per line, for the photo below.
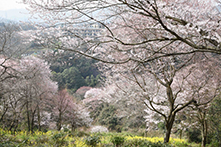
167 136
170 119
169 125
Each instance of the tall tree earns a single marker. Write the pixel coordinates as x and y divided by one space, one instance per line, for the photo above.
27 95
12 46
167 87
203 84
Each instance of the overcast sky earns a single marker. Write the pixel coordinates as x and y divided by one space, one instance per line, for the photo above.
11 4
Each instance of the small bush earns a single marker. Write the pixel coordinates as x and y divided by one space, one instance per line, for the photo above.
92 140
117 140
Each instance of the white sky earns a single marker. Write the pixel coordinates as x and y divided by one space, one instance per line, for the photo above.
11 4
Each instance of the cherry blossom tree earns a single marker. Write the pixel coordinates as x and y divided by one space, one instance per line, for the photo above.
203 84
152 26
35 88
81 117
27 95
11 48
166 86
67 112
93 99
63 107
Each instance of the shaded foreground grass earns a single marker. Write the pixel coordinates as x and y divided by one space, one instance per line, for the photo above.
76 139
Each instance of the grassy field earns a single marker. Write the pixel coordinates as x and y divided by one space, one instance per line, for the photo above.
82 139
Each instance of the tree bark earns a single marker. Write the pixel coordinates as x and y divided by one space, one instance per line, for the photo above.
13 122
2 117
181 133
204 133
39 119
28 116
59 121
170 119
169 125
32 121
